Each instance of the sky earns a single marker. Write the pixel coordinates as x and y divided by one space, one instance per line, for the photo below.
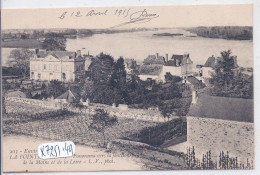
167 16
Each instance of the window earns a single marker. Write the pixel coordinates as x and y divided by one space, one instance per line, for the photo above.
50 67
32 75
39 76
51 73
63 76
44 66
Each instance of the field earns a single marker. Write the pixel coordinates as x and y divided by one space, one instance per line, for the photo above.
26 43
22 119
64 125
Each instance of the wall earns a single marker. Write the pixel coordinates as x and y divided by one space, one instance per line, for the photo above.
207 71
131 113
51 104
175 71
145 77
221 135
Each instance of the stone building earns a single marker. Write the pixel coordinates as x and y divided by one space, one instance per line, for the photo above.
156 67
219 124
222 124
57 65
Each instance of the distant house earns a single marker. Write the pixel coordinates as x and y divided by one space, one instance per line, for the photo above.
67 97
151 72
182 62
190 83
57 65
177 65
130 65
207 69
154 59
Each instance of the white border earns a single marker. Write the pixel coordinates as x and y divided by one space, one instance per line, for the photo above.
13 4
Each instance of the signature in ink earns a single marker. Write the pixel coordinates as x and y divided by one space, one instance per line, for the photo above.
139 17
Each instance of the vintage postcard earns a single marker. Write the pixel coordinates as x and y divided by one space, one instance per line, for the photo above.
128 88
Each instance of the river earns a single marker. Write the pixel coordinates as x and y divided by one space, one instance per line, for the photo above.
139 45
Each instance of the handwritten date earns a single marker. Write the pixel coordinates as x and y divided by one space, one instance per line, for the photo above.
131 15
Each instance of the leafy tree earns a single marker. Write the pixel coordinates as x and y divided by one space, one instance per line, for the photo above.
118 78
101 121
21 60
166 110
87 89
54 41
170 78
55 89
101 69
228 81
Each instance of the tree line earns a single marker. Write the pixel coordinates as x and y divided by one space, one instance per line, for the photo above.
107 83
227 32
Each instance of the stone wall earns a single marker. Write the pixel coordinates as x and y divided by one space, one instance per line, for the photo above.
131 113
221 135
51 104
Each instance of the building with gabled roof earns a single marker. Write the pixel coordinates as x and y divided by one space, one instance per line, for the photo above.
156 67
57 65
67 97
219 124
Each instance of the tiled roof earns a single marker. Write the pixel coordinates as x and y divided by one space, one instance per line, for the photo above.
178 60
225 108
194 81
154 69
152 59
61 54
67 95
56 54
211 62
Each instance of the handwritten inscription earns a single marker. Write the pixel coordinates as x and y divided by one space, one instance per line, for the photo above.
131 16
56 150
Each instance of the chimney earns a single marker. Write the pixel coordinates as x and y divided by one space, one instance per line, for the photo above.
216 60
194 97
78 53
166 57
157 55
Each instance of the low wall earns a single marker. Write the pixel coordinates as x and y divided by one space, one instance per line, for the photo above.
221 135
131 113
41 103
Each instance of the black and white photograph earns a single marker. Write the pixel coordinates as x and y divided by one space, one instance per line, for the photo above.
128 88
